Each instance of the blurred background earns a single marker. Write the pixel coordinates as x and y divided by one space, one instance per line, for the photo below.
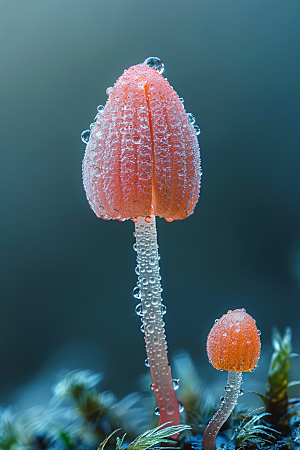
66 276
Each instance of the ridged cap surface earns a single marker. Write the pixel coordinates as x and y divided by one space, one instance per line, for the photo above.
234 343
143 155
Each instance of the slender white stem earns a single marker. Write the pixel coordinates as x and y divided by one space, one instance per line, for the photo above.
151 311
233 387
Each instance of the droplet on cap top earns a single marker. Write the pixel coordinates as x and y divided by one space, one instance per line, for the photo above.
233 343
155 63
147 152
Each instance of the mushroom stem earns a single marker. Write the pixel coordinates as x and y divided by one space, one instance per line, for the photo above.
233 387
151 311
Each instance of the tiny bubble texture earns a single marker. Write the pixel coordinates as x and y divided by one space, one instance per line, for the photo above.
143 156
233 343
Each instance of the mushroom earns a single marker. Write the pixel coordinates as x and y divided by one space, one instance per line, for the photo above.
233 344
142 160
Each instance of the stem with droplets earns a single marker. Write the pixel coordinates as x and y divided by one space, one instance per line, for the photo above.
151 311
233 387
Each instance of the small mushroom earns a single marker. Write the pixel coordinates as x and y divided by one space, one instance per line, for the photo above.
233 344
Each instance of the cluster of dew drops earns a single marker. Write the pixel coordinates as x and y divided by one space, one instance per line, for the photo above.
158 65
139 311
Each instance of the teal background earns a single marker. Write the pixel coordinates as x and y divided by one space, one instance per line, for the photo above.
66 276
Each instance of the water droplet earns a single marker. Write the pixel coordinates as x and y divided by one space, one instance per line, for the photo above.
144 281
136 139
143 330
85 136
138 309
227 388
156 411
100 108
92 126
151 387
141 80
148 219
169 410
192 118
181 407
147 362
175 384
217 320
136 292
134 247
155 63
181 99
155 300
163 309
241 391
150 329
137 270
258 332
109 90
197 130
222 399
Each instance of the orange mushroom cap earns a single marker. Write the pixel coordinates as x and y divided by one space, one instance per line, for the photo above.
142 157
234 343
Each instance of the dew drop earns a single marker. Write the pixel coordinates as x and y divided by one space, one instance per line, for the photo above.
241 392
181 407
152 260
217 320
109 90
169 410
175 384
151 387
155 63
100 108
191 118
150 329
137 270
85 136
147 362
138 309
136 292
222 399
163 309
92 125
258 332
148 219
136 139
197 130
141 80
134 247
181 99
156 411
